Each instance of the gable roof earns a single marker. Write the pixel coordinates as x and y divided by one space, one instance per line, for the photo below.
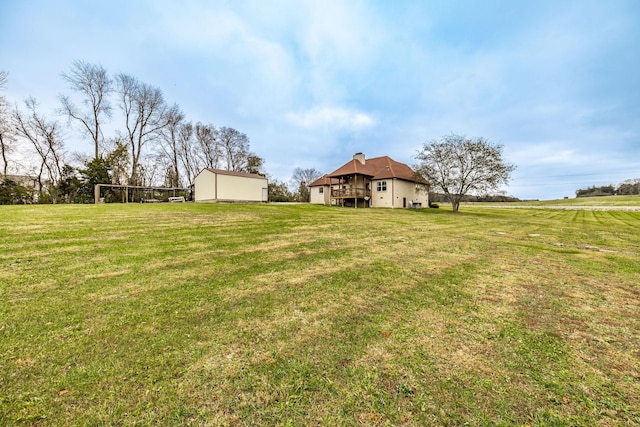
232 173
378 168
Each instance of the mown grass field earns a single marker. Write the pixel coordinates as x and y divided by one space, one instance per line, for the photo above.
184 314
603 201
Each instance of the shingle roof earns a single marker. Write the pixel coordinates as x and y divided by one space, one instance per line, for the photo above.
378 168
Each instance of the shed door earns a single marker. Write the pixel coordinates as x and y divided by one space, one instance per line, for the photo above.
265 194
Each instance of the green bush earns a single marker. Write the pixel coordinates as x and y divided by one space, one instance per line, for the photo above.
12 193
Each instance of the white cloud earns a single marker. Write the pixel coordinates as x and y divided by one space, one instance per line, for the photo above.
331 116
549 154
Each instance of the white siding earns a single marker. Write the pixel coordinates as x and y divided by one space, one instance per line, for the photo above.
238 188
317 197
205 186
405 192
382 199
211 186
399 193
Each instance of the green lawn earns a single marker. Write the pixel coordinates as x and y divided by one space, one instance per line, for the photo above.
633 200
197 314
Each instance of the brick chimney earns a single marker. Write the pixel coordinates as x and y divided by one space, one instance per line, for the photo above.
359 157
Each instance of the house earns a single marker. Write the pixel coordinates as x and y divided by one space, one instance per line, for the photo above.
377 182
216 185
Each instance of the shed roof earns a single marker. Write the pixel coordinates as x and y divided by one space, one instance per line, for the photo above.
233 173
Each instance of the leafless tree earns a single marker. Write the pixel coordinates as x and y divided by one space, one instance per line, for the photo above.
169 177
5 148
301 179
144 110
208 144
46 140
305 175
4 77
187 152
225 148
458 166
235 148
6 139
6 131
169 141
94 85
152 169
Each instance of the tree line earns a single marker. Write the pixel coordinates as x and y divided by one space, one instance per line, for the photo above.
155 143
625 188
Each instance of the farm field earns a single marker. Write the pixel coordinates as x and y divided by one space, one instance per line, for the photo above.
197 314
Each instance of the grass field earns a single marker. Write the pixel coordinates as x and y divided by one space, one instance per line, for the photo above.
183 314
633 200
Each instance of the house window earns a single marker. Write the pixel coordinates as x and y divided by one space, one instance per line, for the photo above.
381 186
321 190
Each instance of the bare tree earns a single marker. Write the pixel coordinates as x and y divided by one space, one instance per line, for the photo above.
225 148
458 166
6 132
301 179
4 76
209 145
6 139
235 148
187 152
169 137
152 169
94 86
144 110
45 138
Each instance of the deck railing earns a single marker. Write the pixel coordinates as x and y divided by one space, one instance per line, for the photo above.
350 192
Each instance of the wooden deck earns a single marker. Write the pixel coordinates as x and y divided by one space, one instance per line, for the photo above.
350 193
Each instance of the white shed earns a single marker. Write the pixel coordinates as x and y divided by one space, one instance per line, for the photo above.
217 185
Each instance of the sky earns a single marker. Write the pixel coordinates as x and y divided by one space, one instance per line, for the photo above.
556 83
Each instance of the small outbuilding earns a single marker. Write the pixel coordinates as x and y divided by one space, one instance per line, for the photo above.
217 185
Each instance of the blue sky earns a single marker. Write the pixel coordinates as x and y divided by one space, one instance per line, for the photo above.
312 82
